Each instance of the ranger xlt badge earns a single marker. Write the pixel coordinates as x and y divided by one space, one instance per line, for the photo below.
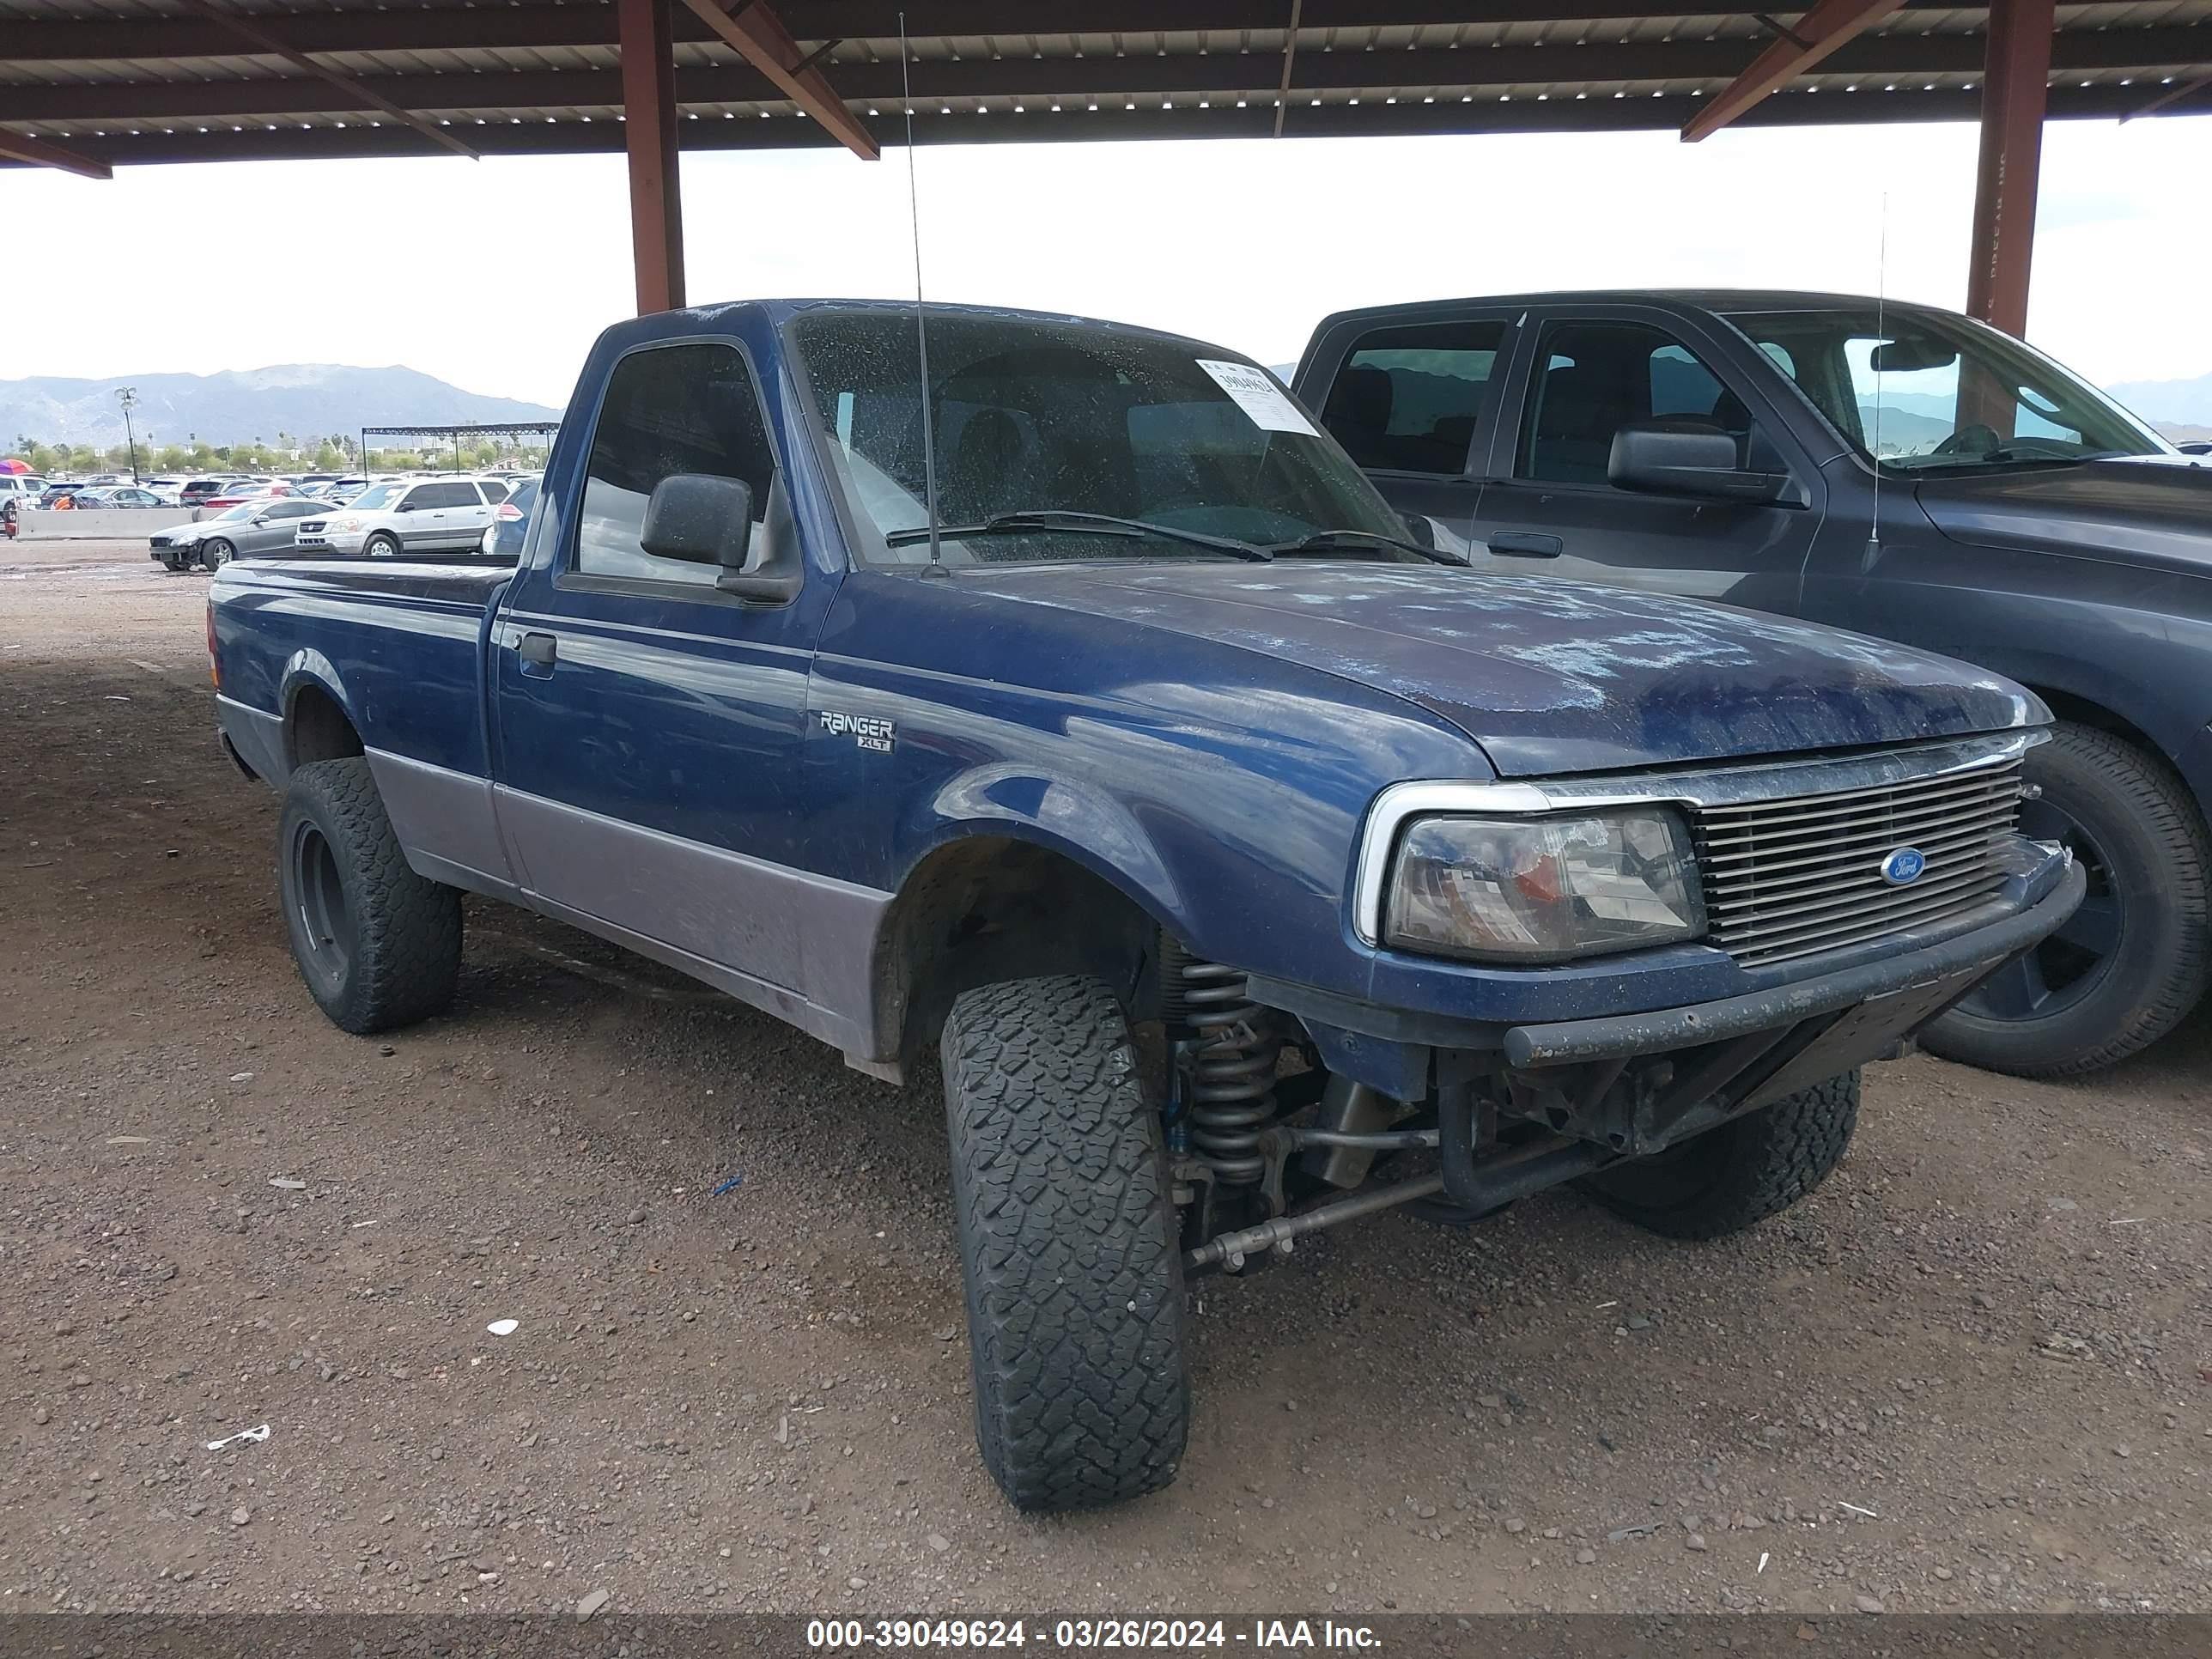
869 732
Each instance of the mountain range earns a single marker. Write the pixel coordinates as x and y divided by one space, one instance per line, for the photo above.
313 400
307 400
2180 402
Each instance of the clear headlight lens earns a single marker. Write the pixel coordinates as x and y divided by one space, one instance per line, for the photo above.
1543 889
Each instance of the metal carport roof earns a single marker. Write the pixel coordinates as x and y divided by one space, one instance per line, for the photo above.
140 80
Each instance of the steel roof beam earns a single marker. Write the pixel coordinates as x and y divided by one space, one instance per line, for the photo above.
489 92
759 36
2166 98
534 24
1334 120
37 152
1831 25
261 39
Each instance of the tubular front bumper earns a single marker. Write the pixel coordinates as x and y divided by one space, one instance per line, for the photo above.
1639 1082
1965 958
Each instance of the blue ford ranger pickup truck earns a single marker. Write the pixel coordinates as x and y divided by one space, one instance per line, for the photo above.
1092 725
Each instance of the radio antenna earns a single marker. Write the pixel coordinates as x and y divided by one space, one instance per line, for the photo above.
920 323
1881 339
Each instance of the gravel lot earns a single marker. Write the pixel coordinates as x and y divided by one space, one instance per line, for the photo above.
1974 1372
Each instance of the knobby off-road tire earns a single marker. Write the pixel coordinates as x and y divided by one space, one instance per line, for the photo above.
378 945
1722 1181
2130 964
1068 1245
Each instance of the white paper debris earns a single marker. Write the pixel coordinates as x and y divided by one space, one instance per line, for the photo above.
504 1327
256 1434
287 1183
1256 393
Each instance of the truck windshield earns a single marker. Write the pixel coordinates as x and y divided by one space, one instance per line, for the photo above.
1916 391
1058 420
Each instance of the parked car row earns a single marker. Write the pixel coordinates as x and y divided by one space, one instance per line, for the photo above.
390 520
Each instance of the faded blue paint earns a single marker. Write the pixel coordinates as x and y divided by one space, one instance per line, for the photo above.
1207 736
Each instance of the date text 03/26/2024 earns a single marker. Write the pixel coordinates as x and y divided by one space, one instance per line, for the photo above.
1082 1635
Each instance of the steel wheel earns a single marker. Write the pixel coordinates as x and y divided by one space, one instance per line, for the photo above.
326 932
2074 961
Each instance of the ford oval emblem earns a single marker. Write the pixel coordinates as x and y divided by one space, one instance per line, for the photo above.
1903 866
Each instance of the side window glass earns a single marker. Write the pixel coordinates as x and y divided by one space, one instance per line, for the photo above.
416 499
1408 399
668 409
494 491
1598 377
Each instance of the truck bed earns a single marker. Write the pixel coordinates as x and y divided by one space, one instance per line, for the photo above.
410 633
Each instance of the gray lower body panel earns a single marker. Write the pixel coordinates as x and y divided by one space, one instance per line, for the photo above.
798 945
446 821
790 932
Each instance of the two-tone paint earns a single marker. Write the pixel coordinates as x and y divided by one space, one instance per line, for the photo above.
750 792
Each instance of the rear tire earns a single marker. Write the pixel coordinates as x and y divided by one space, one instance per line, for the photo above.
378 944
1727 1179
1068 1245
2130 964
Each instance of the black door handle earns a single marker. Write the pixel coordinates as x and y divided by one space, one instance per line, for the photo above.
538 649
1525 545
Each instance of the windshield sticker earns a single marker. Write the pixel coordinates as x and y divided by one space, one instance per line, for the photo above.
1259 397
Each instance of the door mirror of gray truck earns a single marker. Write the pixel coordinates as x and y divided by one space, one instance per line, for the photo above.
1687 457
702 518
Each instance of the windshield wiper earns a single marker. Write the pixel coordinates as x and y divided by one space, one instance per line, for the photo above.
1103 524
1323 541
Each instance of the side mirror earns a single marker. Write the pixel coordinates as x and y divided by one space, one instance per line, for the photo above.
1687 457
403 507
703 519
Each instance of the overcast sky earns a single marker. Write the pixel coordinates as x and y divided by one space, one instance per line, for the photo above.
495 274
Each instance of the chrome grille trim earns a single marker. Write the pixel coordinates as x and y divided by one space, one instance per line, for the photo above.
1796 876
1722 793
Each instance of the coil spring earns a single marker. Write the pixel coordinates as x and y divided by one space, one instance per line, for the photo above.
1232 1086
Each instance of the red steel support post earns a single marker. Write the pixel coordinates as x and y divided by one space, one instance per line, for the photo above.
656 209
2015 90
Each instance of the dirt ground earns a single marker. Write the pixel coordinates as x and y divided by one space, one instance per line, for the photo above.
1973 1372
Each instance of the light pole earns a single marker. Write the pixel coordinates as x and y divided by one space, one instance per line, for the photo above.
128 397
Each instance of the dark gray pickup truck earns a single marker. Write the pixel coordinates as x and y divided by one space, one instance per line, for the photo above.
1890 468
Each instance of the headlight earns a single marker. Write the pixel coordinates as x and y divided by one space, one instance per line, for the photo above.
347 523
1543 889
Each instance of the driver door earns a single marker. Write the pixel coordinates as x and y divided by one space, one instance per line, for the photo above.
1550 509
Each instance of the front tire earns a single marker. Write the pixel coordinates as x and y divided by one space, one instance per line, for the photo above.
381 546
1750 1168
378 944
2123 969
215 554
1068 1245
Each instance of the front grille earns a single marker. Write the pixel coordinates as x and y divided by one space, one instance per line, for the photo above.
1793 878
